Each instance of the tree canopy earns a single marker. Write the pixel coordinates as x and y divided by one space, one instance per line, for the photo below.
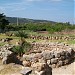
3 21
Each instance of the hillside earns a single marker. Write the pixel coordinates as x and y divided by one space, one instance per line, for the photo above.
26 20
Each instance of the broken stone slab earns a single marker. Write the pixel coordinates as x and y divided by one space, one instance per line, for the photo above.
26 71
38 73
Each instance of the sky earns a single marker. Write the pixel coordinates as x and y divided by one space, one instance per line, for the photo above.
53 10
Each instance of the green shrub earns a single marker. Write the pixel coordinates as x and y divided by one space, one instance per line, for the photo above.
18 50
22 47
21 34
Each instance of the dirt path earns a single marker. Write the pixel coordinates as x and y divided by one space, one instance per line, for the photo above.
15 69
65 70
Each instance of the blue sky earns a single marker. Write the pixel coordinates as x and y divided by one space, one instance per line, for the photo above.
53 10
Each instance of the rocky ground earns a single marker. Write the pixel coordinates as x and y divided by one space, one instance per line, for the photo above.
12 69
53 53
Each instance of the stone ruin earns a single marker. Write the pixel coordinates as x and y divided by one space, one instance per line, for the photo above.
5 50
40 37
7 56
48 55
41 58
6 40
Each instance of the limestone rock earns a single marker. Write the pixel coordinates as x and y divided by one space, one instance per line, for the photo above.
60 63
26 63
57 54
26 71
54 61
66 61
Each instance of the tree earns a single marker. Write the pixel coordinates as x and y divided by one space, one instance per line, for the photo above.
3 22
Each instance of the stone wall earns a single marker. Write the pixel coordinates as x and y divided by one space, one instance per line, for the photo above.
5 50
7 56
52 37
54 54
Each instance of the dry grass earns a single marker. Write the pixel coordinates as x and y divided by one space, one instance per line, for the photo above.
10 69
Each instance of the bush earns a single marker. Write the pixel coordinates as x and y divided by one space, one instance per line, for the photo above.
21 34
22 47
17 49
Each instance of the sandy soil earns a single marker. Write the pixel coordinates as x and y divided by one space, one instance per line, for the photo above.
65 70
10 69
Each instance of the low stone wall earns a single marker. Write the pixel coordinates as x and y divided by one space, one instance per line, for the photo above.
55 55
51 46
40 37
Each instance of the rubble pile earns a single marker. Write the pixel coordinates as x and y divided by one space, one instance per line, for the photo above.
45 56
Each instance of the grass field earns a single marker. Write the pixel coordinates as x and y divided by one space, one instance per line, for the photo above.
16 39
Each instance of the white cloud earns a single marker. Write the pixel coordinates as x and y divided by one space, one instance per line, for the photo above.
20 5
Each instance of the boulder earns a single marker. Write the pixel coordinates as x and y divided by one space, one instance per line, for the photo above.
67 61
35 60
28 57
57 54
48 62
5 50
67 54
62 58
47 55
52 55
26 71
54 61
38 66
41 60
63 53
26 63
59 64
44 70
38 55
71 51
53 65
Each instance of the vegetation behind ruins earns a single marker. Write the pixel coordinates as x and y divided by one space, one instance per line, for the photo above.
38 28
